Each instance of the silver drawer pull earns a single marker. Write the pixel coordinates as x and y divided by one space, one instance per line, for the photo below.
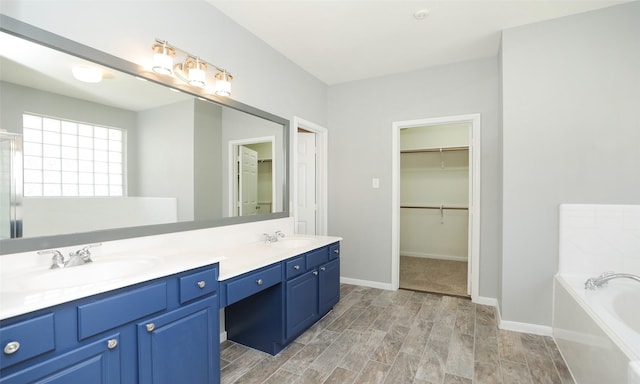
112 343
202 284
151 327
323 268
336 251
259 281
11 347
296 267
315 273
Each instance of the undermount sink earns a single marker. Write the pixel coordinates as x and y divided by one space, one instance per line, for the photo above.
99 271
293 242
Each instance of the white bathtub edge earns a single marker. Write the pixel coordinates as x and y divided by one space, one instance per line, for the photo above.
592 355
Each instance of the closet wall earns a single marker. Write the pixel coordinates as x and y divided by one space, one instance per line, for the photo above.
434 191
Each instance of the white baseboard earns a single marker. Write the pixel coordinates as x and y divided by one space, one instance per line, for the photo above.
223 336
535 329
366 283
517 326
490 301
432 256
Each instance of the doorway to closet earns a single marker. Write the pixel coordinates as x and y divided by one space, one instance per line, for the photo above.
436 173
434 219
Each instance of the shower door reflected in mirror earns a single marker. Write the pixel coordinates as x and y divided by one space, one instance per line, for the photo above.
11 192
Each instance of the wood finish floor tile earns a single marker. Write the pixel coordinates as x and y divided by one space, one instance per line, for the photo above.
401 337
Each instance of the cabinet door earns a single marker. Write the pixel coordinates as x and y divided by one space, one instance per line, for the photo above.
329 285
98 363
302 302
181 346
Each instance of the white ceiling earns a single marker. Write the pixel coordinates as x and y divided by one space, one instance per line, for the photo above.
340 41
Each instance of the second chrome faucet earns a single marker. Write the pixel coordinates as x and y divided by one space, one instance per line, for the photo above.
268 239
79 257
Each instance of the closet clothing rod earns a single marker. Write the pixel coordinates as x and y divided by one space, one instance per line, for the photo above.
444 149
433 207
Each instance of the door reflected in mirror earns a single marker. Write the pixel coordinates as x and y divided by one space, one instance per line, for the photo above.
252 176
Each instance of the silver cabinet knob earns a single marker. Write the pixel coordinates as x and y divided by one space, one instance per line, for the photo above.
336 251
323 268
202 284
151 327
259 281
112 343
11 347
315 273
296 267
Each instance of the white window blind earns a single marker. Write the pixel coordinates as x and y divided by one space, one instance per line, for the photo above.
68 158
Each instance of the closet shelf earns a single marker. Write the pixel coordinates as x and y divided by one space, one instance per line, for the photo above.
443 149
434 207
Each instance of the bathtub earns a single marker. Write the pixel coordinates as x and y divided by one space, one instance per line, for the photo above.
598 331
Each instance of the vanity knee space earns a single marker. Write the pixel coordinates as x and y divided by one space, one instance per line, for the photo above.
271 315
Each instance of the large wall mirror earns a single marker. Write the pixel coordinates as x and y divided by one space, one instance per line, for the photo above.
130 156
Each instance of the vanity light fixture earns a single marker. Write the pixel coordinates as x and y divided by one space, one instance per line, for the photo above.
191 69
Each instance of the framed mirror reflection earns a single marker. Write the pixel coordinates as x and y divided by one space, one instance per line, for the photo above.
133 154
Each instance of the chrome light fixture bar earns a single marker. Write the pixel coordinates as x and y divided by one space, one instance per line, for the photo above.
191 70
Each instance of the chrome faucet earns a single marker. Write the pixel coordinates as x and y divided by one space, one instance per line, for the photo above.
268 239
597 282
79 257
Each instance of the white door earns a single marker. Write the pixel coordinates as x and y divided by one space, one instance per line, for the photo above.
248 181
306 223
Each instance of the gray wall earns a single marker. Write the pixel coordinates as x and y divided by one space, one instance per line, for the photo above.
207 143
571 134
360 122
166 155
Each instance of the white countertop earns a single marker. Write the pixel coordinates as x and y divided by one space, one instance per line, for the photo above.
244 258
23 295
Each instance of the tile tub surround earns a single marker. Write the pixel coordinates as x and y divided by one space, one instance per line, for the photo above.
595 238
401 337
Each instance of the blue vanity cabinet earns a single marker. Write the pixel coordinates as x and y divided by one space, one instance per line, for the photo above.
302 302
160 331
311 295
96 362
328 286
181 346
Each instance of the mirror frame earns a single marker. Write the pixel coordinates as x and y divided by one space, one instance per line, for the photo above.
34 34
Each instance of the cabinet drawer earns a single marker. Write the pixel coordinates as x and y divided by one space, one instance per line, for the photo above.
334 251
198 284
116 310
253 283
26 339
317 257
295 267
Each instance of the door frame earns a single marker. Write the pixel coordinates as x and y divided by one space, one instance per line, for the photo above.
233 160
322 139
473 275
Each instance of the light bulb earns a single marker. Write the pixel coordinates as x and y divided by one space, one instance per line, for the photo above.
223 84
162 58
197 74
